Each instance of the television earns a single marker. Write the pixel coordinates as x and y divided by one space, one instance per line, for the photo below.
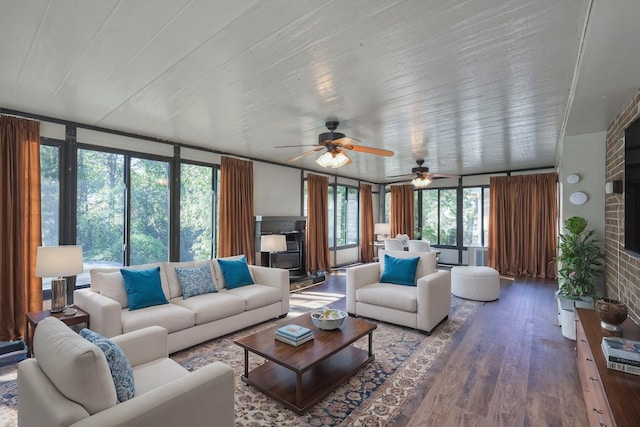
632 188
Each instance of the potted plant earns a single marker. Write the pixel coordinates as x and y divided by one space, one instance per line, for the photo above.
580 261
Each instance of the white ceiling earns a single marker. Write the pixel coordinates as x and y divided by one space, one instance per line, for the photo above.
471 86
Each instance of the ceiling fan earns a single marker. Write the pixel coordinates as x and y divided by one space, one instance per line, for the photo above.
335 143
422 177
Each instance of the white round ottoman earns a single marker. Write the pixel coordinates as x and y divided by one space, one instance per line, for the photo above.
476 283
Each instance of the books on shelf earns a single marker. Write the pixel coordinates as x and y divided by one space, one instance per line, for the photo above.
619 363
294 334
622 348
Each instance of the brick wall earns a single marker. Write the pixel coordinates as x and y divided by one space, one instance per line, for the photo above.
622 271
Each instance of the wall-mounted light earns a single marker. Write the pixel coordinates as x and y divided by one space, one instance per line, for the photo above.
613 187
333 159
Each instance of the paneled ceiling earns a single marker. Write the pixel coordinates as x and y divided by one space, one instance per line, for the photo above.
470 86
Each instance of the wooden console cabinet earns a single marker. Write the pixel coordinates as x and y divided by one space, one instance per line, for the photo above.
612 398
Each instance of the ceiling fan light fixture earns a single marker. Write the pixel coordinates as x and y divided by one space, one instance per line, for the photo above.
421 182
333 159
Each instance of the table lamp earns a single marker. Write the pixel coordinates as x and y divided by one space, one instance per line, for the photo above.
273 243
382 230
59 262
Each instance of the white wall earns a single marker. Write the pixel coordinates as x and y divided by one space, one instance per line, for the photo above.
277 190
584 155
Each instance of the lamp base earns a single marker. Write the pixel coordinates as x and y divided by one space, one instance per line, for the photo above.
58 295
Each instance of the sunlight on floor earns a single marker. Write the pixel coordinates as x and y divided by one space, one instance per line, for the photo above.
312 300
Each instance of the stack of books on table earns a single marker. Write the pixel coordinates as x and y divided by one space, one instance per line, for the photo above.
622 354
294 334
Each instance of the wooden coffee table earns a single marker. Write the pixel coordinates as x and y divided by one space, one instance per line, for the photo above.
299 377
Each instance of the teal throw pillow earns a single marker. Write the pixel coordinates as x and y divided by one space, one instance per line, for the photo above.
400 271
119 365
143 287
195 281
235 272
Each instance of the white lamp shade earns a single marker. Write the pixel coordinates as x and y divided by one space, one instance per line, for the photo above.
382 228
421 182
273 243
58 261
333 159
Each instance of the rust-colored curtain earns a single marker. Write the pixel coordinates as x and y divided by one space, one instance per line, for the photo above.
236 225
402 216
20 227
317 223
366 224
522 224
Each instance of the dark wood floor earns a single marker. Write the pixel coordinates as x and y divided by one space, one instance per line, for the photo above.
508 366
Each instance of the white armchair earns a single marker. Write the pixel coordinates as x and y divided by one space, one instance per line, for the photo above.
422 306
69 383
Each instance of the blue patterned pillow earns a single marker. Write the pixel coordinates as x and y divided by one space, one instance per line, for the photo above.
195 281
119 366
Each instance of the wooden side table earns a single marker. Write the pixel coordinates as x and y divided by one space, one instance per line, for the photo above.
35 317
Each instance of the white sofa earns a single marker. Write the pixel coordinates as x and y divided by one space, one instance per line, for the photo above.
422 306
69 383
189 321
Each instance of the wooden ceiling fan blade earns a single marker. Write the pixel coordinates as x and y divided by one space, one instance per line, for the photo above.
345 141
370 150
295 146
305 154
404 175
443 175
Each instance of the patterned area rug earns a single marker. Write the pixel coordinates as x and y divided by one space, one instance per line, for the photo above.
373 397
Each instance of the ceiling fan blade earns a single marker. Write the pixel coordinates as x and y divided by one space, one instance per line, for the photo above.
345 141
370 150
299 145
404 175
306 153
443 175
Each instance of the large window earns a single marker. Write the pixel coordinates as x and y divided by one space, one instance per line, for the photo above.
100 208
50 199
475 216
149 218
343 214
197 203
429 216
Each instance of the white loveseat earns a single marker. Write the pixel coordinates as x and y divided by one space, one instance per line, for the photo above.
422 306
189 321
69 383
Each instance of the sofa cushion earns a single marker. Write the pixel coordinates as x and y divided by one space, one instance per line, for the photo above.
175 290
156 373
111 285
76 367
195 281
210 307
404 298
143 288
163 275
119 365
257 296
400 271
172 317
235 272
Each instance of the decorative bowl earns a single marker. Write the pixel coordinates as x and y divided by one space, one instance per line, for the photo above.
328 319
612 313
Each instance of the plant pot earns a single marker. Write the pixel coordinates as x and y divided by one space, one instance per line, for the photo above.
612 314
